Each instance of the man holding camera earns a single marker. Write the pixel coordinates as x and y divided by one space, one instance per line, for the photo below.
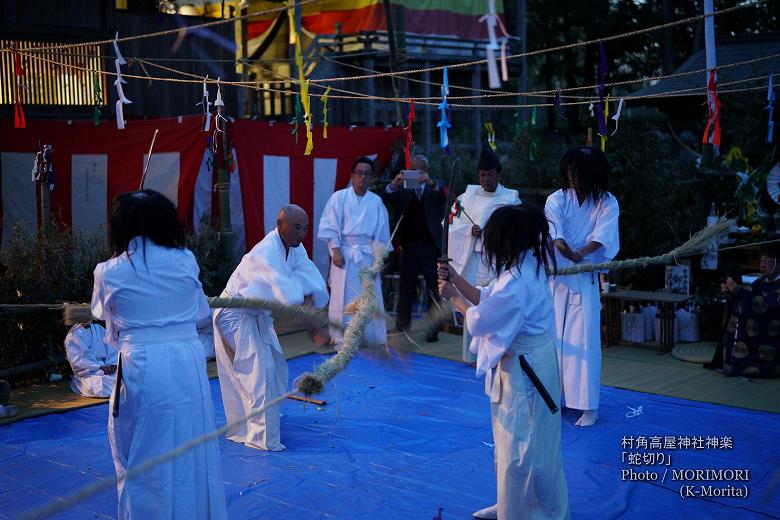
419 202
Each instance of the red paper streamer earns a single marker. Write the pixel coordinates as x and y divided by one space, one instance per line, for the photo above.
713 113
19 120
408 147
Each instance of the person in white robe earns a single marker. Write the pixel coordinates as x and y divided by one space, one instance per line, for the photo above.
250 362
353 220
92 360
509 319
470 213
150 298
584 226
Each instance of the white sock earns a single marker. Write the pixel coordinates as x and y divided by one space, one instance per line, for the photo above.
589 418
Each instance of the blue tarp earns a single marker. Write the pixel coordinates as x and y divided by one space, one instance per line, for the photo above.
402 441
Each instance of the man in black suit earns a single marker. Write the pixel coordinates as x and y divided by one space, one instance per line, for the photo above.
419 235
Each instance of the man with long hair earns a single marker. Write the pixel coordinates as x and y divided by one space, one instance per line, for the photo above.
150 298
584 226
510 320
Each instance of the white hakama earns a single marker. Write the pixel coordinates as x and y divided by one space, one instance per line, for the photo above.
514 317
354 224
87 352
150 303
577 298
250 362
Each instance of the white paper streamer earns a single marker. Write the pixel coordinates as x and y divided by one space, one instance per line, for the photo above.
504 69
206 106
492 67
118 62
491 48
616 117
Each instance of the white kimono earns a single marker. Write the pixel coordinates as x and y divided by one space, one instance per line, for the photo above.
250 363
87 352
463 248
150 303
354 224
577 297
206 336
513 318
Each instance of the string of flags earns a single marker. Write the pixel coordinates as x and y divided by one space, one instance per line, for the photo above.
118 62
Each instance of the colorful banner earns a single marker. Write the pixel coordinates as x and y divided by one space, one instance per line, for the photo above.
458 18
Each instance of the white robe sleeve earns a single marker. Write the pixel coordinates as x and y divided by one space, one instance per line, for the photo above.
330 223
310 279
606 231
553 211
269 283
98 294
79 351
490 323
382 229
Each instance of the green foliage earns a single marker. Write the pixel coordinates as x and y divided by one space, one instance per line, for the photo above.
41 270
59 269
215 266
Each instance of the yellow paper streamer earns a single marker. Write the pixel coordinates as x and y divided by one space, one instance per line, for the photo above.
304 83
324 100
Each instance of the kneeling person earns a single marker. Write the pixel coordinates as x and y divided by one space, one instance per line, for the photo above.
92 360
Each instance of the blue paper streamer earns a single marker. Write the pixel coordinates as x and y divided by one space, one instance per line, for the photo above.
444 123
602 120
770 96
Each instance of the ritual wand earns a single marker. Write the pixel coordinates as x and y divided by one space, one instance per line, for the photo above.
444 237
148 158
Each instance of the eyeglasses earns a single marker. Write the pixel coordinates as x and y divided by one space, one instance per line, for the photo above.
363 174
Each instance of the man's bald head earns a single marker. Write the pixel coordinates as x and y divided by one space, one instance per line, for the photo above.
292 224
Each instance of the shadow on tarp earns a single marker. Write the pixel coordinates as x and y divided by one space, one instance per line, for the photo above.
399 442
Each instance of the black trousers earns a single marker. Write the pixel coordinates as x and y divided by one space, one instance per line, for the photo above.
416 258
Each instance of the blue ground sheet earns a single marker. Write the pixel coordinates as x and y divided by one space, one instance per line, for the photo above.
402 441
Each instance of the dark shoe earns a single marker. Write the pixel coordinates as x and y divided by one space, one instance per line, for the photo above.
432 338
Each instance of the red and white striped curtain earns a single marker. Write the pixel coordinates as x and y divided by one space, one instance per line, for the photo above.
94 164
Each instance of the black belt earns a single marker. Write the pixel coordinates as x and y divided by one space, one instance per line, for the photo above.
117 388
548 400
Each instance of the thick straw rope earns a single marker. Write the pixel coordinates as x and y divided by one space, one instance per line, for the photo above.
365 307
695 245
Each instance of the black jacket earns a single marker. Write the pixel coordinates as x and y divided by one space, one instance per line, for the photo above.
433 202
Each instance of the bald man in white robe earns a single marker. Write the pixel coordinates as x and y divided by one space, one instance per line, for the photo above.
250 362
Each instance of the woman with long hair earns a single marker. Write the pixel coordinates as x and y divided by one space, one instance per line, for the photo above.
512 319
584 228
149 295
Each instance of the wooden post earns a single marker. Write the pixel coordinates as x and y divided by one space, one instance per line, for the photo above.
589 142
